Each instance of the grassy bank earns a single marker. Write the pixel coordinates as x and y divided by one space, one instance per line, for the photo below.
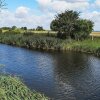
87 46
28 40
11 88
50 42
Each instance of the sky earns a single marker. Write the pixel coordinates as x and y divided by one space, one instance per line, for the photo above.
33 13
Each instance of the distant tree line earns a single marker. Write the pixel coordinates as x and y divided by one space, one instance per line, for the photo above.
69 25
39 28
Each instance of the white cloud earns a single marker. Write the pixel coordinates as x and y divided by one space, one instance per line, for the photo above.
24 16
44 2
22 12
74 0
61 5
95 17
97 3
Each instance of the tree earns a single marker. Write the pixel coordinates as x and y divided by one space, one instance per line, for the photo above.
83 28
6 28
64 23
39 28
14 27
0 30
2 4
24 28
68 24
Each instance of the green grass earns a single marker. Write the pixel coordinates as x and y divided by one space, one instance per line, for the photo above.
50 42
87 45
11 88
31 41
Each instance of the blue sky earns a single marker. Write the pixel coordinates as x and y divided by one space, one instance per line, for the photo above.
13 4
32 13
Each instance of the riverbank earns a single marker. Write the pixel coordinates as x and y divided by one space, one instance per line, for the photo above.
85 46
44 42
50 42
11 88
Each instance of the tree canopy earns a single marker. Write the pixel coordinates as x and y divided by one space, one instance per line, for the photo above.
39 28
24 28
14 27
83 28
2 4
68 24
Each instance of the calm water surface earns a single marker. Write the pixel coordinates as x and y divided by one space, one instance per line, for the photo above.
61 76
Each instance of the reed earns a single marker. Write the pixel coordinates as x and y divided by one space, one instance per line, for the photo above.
87 46
46 42
31 41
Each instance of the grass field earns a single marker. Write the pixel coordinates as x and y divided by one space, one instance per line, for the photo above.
95 34
38 32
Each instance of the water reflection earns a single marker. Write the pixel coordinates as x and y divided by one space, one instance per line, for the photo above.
76 76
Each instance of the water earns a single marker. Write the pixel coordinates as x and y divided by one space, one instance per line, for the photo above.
61 76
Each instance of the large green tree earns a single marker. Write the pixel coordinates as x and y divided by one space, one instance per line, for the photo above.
68 24
64 23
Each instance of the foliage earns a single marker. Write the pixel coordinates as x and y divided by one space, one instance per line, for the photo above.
55 25
47 42
24 28
38 41
0 30
5 28
64 22
14 27
11 88
2 4
83 28
16 31
39 28
68 24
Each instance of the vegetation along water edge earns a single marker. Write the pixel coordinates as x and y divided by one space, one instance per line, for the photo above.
45 42
11 88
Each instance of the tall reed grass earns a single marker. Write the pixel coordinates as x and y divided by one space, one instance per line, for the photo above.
31 41
49 42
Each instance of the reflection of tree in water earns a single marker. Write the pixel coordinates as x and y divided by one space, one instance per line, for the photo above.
74 76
